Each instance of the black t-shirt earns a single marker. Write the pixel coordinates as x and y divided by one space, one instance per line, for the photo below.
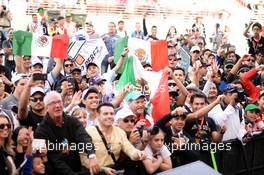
205 133
32 120
255 46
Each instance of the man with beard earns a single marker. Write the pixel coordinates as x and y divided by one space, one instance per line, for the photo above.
34 96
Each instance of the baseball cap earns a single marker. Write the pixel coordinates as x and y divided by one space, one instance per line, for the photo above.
243 68
195 48
250 107
124 113
193 87
68 14
76 69
230 88
35 62
91 63
134 96
17 77
35 90
228 62
95 80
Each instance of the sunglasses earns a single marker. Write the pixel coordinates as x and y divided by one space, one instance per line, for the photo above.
131 120
229 67
171 84
68 65
37 99
2 126
196 51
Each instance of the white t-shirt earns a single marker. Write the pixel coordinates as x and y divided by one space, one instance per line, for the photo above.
164 152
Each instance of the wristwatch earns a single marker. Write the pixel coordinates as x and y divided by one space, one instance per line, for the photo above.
91 156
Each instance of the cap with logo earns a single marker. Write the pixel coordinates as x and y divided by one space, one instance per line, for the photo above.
95 80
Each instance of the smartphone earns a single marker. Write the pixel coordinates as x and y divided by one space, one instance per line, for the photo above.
39 76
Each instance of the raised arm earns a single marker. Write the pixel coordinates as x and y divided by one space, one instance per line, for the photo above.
202 112
245 33
24 100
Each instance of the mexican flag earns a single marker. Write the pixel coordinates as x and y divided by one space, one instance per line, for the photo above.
152 52
157 83
27 43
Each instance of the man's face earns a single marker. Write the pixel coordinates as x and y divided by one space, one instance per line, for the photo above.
206 55
68 66
35 19
68 19
260 58
154 31
89 28
256 31
250 61
37 68
106 116
232 56
111 28
228 68
179 75
77 76
178 123
61 22
138 26
55 108
36 102
198 103
252 115
92 70
92 101
127 124
121 26
137 106
229 95
26 61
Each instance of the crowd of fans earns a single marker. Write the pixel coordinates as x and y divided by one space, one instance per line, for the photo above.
53 120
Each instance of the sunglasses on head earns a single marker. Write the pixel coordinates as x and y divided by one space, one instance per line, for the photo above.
2 126
68 65
127 120
37 99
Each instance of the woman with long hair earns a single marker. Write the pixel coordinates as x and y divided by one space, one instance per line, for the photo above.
6 152
172 34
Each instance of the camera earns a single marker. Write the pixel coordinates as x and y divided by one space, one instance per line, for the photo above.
241 95
39 76
152 130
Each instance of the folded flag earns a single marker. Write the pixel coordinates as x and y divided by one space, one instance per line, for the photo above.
27 43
